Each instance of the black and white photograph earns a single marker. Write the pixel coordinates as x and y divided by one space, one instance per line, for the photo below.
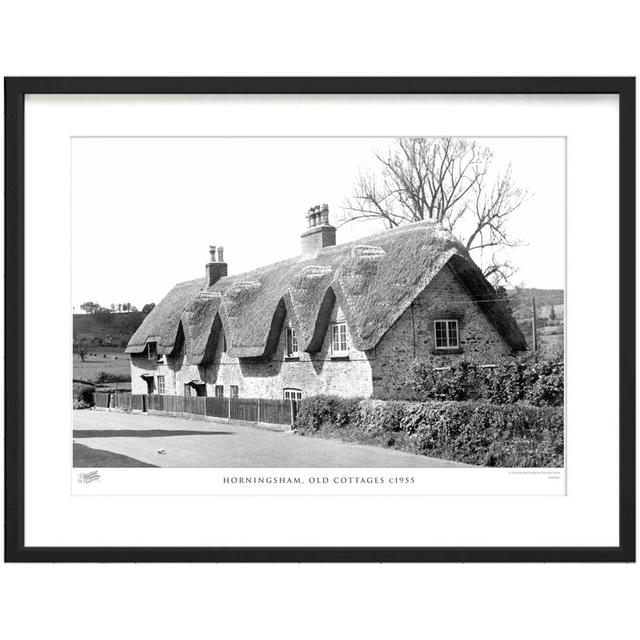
320 320
391 316
318 302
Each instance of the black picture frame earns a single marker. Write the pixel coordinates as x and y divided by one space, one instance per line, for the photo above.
15 91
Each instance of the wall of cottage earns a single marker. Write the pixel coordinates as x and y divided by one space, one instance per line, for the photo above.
313 374
411 338
140 366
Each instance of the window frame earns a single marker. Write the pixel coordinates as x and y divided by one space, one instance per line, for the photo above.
216 388
447 322
233 387
291 339
161 386
152 351
339 352
291 390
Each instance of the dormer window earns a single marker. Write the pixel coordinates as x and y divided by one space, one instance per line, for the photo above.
446 334
291 341
339 339
152 351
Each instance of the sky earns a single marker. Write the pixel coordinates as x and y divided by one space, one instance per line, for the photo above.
145 210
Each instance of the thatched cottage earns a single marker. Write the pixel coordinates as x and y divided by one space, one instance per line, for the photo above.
346 319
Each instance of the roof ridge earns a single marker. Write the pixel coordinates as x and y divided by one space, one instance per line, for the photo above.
402 229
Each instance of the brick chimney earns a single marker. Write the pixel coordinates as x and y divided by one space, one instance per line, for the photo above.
217 267
319 233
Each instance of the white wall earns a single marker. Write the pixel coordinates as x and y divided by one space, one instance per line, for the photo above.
313 374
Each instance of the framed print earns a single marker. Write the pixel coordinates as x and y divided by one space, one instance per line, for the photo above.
320 319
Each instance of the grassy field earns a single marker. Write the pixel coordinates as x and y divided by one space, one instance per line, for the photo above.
549 336
117 327
112 360
105 338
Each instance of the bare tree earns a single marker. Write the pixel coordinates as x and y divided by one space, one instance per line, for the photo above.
80 346
448 180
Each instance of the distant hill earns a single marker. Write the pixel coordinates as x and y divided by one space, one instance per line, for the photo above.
108 329
521 301
542 296
549 302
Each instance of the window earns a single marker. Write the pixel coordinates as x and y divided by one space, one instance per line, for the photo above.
152 351
161 390
187 389
339 339
219 391
233 390
291 349
224 343
446 334
292 394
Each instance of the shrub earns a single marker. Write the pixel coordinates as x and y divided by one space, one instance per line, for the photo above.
82 396
530 380
453 383
491 435
328 412
504 384
470 432
379 416
544 384
104 377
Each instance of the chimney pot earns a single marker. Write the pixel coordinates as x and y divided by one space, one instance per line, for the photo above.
320 233
215 269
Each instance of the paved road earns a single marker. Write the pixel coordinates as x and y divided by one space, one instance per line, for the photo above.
120 439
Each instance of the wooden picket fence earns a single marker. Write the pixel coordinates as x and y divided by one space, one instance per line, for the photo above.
269 411
102 399
112 400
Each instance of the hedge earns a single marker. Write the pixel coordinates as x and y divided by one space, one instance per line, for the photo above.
530 381
470 432
82 396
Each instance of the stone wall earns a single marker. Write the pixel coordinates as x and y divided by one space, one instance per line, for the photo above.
411 338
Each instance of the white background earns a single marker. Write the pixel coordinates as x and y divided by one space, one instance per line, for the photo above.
586 516
465 38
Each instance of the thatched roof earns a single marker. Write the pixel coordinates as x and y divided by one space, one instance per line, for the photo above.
374 280
161 325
